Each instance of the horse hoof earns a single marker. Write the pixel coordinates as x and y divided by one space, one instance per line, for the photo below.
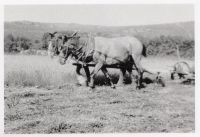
78 84
138 87
120 85
113 87
91 86
85 84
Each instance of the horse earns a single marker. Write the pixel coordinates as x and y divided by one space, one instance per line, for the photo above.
55 43
124 52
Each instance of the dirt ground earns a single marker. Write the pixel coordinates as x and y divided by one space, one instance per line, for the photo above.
72 109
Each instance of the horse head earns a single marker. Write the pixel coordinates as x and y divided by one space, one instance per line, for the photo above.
70 47
56 41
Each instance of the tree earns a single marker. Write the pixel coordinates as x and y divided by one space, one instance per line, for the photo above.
45 40
37 41
9 42
12 44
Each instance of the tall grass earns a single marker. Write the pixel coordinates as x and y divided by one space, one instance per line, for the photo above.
36 71
42 71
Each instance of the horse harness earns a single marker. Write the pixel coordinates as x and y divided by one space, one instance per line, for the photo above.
82 56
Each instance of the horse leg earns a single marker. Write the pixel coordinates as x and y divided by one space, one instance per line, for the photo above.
105 72
139 70
140 78
133 63
97 67
130 73
179 75
78 74
121 77
172 76
87 72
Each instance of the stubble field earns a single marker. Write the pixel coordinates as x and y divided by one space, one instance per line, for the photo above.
40 97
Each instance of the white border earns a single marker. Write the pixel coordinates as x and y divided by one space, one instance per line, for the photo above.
19 2
34 2
1 70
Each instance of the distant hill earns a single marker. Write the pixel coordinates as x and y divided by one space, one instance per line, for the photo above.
35 30
160 39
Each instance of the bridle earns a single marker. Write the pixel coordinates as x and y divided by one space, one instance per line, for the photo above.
76 53
54 47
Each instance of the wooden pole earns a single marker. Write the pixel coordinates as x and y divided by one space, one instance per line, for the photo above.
177 51
92 65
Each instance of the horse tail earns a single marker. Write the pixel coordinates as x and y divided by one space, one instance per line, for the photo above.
144 50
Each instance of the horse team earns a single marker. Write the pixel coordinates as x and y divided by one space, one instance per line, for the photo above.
124 53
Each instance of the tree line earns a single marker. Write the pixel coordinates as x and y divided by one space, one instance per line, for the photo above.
162 45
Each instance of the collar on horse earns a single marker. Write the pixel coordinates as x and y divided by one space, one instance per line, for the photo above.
82 54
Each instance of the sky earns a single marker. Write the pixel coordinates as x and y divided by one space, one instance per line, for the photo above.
106 15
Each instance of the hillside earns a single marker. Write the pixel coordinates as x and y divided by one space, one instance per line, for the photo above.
35 30
160 39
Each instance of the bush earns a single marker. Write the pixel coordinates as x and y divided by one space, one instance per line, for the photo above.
37 41
45 39
16 44
166 45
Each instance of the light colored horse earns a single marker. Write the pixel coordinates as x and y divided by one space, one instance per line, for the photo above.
124 52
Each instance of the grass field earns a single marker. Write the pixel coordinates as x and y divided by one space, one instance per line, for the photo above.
22 70
36 101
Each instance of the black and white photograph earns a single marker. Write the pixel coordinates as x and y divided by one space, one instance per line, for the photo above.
99 68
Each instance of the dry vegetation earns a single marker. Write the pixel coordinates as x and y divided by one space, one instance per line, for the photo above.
22 70
36 101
